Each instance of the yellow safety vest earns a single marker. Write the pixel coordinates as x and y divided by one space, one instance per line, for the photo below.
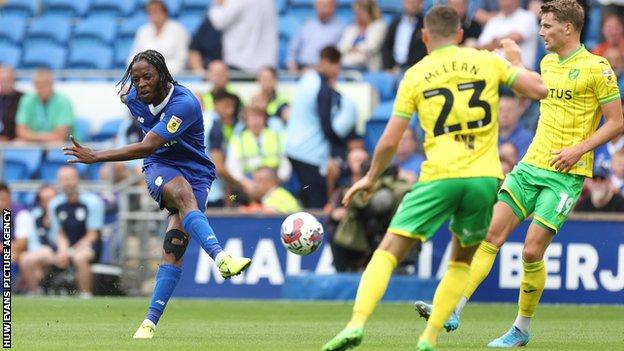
254 153
281 201
275 104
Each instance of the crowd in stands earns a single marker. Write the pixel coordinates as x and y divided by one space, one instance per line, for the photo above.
278 153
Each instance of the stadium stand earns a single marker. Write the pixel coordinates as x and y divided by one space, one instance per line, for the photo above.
10 55
20 164
48 55
20 8
12 30
65 8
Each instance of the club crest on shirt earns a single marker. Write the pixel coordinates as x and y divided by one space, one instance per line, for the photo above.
574 73
174 124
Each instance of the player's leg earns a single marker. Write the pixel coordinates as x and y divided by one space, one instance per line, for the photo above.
81 259
167 276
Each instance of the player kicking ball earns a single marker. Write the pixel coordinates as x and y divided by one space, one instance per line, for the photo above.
455 92
549 179
177 171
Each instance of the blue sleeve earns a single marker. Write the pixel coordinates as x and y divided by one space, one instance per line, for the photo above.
95 211
180 114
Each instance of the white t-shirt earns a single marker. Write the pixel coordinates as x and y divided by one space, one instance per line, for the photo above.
24 224
172 42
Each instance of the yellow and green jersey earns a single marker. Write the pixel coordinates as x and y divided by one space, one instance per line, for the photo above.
455 93
577 86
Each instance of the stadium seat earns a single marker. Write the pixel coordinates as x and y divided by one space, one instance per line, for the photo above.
195 6
191 22
122 50
592 37
129 26
114 8
173 7
382 111
82 129
301 13
53 160
108 130
10 55
51 56
65 8
20 164
90 56
49 29
12 30
19 8
345 14
98 29
282 6
374 130
288 25
390 6
383 82
282 52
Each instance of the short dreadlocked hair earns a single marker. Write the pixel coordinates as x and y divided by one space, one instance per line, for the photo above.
155 59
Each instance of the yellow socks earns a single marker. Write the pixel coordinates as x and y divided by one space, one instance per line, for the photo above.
447 295
372 286
481 266
531 287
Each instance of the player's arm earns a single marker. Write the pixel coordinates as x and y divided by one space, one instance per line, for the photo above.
150 143
565 159
526 83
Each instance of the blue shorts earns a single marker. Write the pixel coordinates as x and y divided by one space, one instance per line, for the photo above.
157 175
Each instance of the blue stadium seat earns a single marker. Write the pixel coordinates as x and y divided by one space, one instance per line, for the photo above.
51 56
82 129
302 13
20 164
19 8
129 26
54 160
108 130
374 130
193 6
383 82
282 52
98 29
592 37
382 111
66 8
288 25
282 6
191 22
90 56
122 50
345 14
12 29
173 7
390 6
49 29
113 8
10 55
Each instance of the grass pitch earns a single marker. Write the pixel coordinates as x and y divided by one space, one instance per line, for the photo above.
108 324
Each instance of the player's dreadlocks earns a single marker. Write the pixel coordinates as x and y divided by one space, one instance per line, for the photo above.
155 59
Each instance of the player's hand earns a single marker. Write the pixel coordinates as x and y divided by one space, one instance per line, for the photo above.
511 51
82 154
364 184
566 158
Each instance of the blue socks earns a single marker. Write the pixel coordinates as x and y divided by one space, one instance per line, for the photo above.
196 225
167 278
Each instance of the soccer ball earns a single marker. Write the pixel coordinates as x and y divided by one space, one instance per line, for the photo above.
301 233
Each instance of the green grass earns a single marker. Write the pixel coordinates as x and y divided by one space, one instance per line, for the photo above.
108 324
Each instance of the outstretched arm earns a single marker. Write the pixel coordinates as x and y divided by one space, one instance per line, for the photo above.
150 143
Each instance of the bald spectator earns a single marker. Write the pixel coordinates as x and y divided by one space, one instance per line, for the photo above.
362 41
9 100
403 45
249 29
509 128
164 35
205 47
515 23
323 30
472 29
613 33
45 115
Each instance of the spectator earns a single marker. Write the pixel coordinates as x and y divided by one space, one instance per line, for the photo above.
508 154
9 99
205 47
613 33
617 171
515 23
41 245
23 224
604 153
256 146
164 35
317 33
486 10
77 219
361 42
602 195
249 30
276 103
317 130
403 45
45 115
408 158
616 59
509 128
273 199
472 29
219 76
612 7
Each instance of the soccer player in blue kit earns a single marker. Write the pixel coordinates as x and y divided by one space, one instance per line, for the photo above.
177 171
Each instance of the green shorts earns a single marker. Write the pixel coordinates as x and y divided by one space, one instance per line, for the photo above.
551 195
467 202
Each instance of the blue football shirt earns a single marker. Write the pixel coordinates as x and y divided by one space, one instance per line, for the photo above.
178 120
